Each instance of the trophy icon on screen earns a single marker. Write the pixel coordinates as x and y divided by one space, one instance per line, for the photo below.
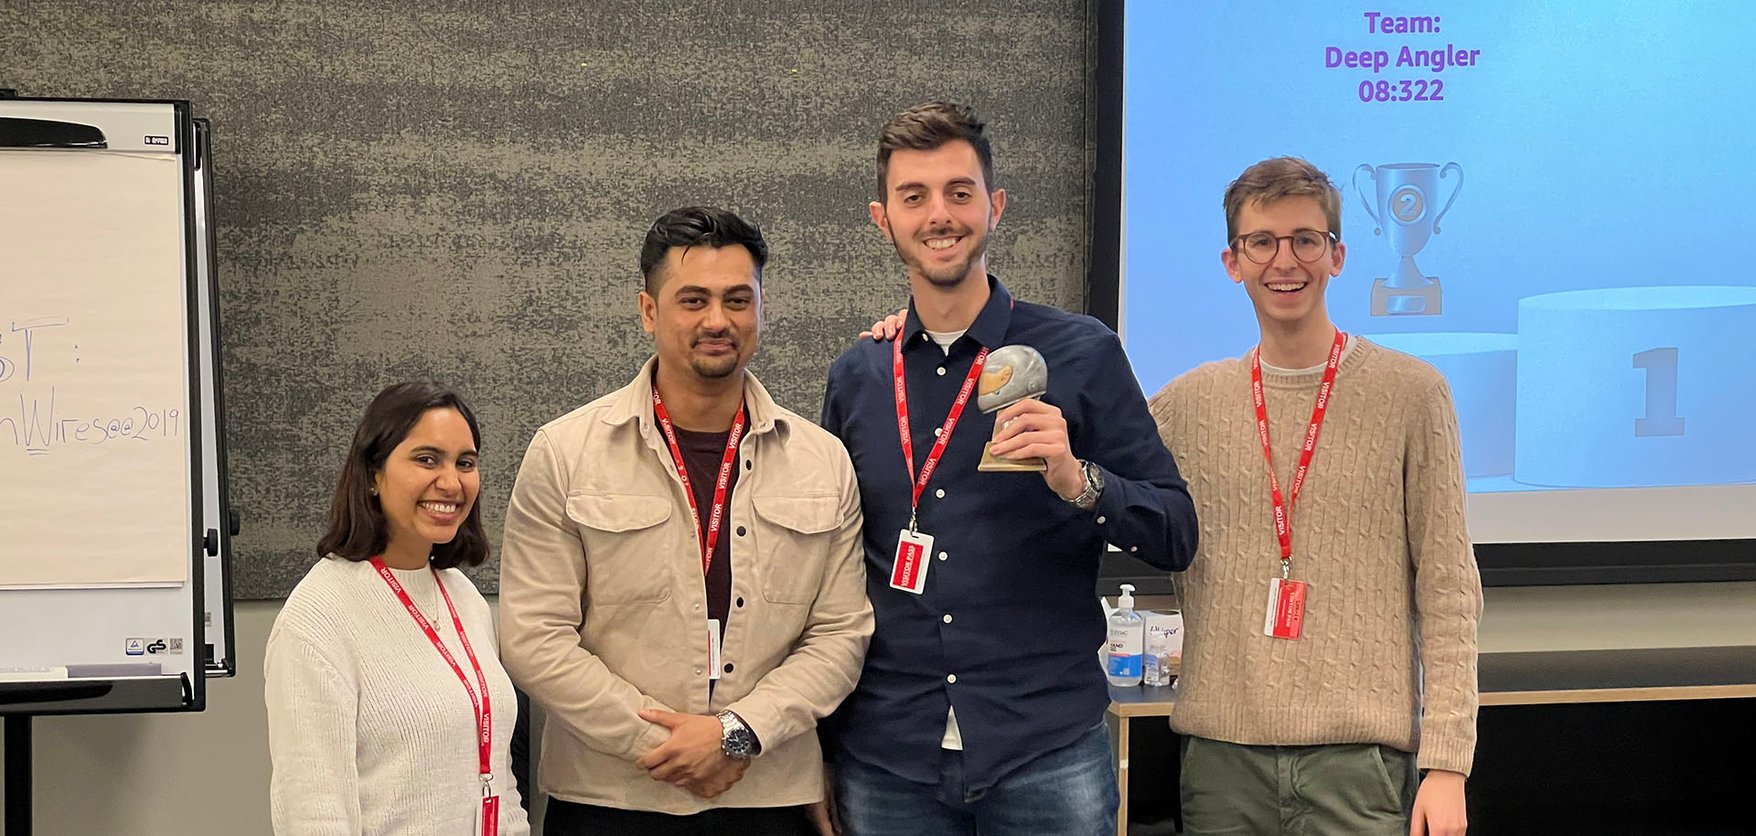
1403 211
1011 374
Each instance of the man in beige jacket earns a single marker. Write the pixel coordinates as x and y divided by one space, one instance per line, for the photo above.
682 586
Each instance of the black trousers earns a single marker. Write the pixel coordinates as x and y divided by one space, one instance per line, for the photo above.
565 818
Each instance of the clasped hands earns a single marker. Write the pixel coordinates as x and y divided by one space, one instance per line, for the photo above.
692 758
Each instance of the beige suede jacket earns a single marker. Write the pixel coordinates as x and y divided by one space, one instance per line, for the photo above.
603 608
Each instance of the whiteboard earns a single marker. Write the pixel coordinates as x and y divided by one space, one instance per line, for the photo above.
96 403
101 426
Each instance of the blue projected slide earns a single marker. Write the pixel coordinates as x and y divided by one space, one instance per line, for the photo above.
1543 200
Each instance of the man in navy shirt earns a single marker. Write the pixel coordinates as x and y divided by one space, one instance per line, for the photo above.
980 707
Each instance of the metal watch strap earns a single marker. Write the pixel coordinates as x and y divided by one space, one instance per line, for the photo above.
1094 486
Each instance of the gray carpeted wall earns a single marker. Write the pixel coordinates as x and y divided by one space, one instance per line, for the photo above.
458 190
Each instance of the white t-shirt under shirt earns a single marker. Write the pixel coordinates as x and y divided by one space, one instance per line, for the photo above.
944 339
1346 349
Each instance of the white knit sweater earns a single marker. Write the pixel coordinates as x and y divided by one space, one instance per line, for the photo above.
369 730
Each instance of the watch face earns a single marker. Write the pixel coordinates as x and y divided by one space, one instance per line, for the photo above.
737 741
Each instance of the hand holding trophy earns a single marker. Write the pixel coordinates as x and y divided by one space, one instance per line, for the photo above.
1012 373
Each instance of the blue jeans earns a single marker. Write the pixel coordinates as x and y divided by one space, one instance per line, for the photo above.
1068 792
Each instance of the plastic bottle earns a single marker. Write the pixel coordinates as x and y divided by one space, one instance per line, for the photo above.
1127 642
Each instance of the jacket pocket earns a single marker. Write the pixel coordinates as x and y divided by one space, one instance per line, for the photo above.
626 546
793 542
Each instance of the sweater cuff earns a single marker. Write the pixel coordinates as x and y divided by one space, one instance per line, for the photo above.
1449 754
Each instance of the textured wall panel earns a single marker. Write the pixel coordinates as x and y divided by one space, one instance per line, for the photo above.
458 190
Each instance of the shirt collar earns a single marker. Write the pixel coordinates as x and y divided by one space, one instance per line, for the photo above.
634 403
989 328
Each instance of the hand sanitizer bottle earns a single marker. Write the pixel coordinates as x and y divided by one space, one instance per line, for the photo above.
1127 642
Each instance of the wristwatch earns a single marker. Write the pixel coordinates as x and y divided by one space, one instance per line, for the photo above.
736 740
1094 486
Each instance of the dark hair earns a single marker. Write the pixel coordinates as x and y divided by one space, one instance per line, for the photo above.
698 226
357 529
925 127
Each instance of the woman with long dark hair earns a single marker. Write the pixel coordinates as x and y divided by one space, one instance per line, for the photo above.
388 711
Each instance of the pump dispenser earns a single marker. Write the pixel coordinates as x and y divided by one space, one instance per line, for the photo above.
1125 649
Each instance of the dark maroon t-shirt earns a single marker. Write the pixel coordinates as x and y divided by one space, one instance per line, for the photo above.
702 453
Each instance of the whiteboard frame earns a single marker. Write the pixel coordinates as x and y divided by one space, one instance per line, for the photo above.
159 611
216 494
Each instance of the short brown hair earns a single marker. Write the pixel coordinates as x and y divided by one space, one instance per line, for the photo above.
1279 178
357 528
925 127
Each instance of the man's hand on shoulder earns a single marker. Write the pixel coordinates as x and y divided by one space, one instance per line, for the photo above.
692 758
888 328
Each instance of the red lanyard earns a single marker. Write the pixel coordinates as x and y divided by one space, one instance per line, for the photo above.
908 448
484 714
717 514
1283 528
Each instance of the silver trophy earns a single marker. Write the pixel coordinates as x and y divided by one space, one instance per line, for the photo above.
1404 214
1011 374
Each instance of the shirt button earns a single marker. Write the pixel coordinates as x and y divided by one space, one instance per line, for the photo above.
944 556
741 598
938 430
728 667
924 336
948 618
940 371
1133 549
951 678
697 671
698 608
940 493
741 528
1100 522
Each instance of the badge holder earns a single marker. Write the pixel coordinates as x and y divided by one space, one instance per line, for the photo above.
1285 618
909 572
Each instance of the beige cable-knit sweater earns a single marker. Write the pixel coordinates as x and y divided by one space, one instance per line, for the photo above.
1378 532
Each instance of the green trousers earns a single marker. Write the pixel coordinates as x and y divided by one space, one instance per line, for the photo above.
1335 790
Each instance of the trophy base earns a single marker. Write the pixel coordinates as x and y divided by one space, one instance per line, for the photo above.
1425 300
992 464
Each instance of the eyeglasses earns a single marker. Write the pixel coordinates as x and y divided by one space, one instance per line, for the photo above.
1262 247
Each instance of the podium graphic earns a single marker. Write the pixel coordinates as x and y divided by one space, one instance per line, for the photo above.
1619 387
1404 215
1635 387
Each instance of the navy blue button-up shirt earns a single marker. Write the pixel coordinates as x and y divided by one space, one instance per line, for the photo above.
1008 627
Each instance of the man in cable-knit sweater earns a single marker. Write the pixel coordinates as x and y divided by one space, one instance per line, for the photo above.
1331 655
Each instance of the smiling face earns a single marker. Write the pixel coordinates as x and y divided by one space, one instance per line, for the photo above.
427 485
937 212
1286 292
706 312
